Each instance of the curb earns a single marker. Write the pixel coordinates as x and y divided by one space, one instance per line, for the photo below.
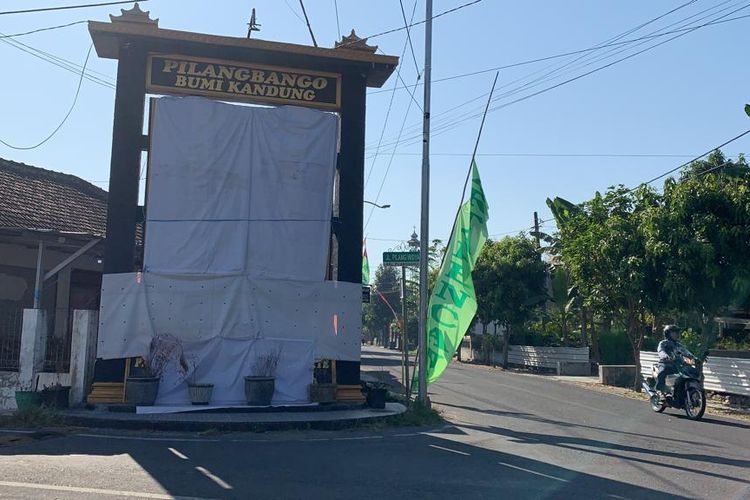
188 424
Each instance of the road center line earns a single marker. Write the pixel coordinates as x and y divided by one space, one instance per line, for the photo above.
213 477
178 454
452 451
97 491
534 472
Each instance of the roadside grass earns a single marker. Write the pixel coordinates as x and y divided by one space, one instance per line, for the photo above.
416 415
32 417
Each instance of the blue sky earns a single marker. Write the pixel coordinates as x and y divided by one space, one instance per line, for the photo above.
678 99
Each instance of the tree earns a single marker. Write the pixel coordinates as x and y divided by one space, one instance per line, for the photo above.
700 234
603 246
376 315
509 283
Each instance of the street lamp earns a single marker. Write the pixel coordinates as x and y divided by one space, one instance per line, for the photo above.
375 204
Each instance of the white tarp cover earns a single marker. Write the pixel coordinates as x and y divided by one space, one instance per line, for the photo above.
136 306
225 362
239 190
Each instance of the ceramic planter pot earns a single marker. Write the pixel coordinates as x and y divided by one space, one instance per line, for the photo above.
141 391
200 394
259 390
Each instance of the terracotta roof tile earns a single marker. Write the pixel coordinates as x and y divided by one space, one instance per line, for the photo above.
36 198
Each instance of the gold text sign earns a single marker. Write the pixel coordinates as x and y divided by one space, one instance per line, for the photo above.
233 81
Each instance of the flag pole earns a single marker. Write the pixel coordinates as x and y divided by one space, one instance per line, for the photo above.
479 136
425 215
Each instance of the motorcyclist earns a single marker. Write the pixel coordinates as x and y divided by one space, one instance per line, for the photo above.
669 350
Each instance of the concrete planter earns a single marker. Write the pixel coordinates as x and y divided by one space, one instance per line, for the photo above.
376 398
200 394
26 400
141 391
323 393
58 397
259 390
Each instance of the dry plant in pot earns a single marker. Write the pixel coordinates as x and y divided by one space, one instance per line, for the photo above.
200 392
142 385
261 383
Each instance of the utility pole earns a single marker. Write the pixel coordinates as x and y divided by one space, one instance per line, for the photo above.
425 216
536 231
404 336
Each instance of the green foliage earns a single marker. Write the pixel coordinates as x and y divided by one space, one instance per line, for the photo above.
32 417
376 315
615 348
509 281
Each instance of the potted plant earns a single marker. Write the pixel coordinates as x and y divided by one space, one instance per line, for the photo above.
200 393
27 397
55 395
261 383
142 385
376 394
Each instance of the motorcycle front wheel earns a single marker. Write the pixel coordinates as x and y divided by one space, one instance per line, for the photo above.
695 402
657 404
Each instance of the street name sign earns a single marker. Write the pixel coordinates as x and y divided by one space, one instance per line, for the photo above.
400 258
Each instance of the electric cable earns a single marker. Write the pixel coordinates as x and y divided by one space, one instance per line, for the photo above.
408 37
72 106
68 7
39 30
456 121
388 111
682 31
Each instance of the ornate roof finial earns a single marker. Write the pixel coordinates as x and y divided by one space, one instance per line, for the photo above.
134 15
353 42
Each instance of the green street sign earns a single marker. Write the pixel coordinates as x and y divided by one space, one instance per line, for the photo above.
400 258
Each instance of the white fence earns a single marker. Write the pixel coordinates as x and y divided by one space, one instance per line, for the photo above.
524 355
546 357
727 375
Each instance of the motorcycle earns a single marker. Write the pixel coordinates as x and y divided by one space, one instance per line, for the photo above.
684 389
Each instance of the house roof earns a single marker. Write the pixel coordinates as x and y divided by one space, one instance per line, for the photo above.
36 198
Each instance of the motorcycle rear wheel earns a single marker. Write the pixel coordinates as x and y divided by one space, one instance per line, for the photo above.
695 402
657 404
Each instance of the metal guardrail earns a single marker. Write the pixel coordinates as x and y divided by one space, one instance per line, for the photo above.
727 375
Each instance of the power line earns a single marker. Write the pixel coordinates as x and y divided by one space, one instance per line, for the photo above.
561 155
566 54
307 20
72 106
68 7
644 183
390 162
408 37
450 122
38 30
338 26
388 111
424 21
456 121
294 11
58 61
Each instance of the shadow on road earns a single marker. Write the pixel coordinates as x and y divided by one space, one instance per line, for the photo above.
607 448
559 423
420 466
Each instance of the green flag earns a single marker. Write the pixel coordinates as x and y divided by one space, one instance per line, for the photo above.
453 302
365 265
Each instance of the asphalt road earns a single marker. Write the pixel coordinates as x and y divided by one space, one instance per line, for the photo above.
510 436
